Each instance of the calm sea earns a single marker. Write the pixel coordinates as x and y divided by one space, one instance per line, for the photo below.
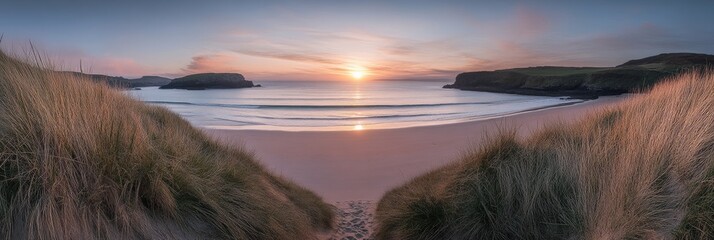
320 106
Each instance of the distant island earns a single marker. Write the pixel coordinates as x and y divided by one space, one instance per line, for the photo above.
203 81
582 82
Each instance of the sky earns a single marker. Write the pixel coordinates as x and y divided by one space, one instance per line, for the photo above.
332 40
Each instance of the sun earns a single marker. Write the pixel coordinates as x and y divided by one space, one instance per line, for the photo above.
357 75
357 72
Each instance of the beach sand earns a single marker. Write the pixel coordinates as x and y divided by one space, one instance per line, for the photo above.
363 165
353 169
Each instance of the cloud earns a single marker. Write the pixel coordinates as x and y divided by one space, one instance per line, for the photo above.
220 62
521 38
400 50
291 56
334 53
517 36
351 36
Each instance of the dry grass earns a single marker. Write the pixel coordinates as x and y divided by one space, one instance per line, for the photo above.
643 169
79 160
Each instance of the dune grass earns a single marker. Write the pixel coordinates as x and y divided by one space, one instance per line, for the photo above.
643 169
79 160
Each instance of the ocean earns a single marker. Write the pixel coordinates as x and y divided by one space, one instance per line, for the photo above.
332 105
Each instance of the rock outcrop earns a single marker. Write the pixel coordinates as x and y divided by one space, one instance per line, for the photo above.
203 81
149 81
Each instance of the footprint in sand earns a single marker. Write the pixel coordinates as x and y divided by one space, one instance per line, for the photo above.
355 220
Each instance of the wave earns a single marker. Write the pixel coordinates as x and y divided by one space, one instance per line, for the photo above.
356 117
281 106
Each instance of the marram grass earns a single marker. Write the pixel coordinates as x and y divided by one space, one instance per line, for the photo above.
79 160
643 169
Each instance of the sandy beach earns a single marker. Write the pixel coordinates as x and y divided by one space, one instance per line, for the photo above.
363 165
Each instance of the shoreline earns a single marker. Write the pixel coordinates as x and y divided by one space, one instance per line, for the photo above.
363 165
453 121
574 94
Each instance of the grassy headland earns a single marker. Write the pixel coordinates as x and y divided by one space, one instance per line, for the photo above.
583 82
80 160
643 169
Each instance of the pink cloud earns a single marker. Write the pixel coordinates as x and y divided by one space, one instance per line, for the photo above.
292 56
219 62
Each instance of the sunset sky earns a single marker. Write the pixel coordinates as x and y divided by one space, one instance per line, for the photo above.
329 40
